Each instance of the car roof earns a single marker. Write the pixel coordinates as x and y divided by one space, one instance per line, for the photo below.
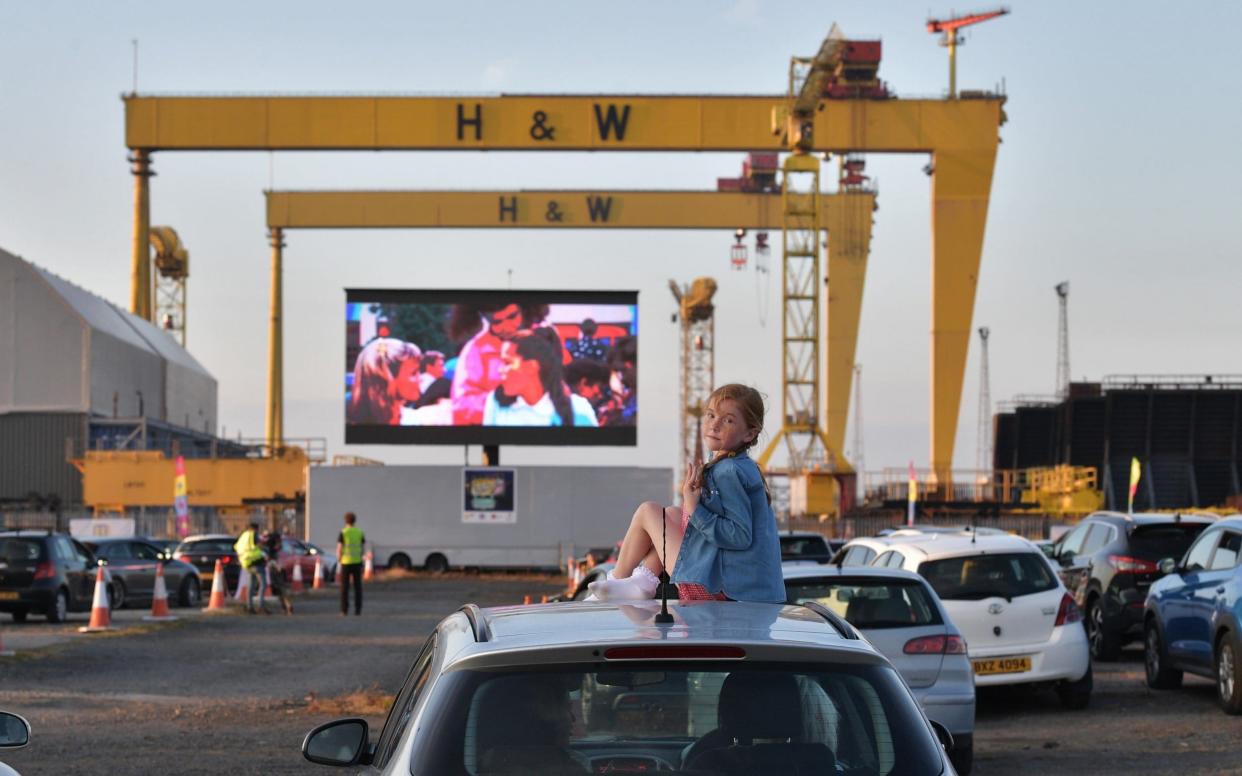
1151 518
802 535
951 545
206 537
806 571
27 532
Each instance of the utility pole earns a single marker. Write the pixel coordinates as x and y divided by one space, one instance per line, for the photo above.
1063 362
983 447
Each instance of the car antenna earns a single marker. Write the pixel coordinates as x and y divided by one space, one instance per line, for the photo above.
974 529
663 617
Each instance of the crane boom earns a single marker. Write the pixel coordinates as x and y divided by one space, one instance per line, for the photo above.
965 20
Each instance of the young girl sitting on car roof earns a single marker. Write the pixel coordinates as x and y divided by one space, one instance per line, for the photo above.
722 543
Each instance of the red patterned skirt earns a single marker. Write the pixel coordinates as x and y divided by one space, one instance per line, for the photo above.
693 591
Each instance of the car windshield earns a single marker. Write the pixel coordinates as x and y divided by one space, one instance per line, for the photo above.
1167 540
20 550
975 577
678 718
868 603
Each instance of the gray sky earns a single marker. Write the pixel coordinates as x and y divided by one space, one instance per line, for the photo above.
1119 171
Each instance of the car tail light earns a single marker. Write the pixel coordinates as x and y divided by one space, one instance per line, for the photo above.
44 570
935 645
1132 565
675 652
225 559
1069 611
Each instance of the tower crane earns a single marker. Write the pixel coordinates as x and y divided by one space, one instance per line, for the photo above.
696 316
171 265
951 40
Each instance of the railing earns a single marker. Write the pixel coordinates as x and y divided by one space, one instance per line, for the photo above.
1017 487
1175 382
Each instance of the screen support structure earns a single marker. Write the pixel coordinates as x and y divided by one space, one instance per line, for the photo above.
491 455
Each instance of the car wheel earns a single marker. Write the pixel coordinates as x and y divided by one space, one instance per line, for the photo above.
1076 694
19 616
60 607
1105 645
116 595
1228 681
190 593
1160 676
963 757
400 561
436 563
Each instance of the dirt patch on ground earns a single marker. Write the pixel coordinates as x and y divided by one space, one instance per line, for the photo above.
367 702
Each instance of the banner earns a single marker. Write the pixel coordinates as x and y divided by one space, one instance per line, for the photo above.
1136 473
490 496
912 495
180 505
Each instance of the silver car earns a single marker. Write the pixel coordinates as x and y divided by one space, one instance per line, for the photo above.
901 615
580 688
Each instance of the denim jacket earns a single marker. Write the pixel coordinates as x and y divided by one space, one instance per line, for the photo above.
731 543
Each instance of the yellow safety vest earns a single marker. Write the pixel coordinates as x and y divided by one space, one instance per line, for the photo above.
351 544
248 551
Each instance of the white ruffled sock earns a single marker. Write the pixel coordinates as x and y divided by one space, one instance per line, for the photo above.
639 586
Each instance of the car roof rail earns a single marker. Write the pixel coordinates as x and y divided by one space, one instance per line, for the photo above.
478 623
844 628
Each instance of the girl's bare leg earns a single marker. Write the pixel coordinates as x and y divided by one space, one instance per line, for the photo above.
654 533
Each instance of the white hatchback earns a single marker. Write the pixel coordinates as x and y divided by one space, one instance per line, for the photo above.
1021 624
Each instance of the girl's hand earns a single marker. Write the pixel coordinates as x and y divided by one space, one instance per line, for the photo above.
691 487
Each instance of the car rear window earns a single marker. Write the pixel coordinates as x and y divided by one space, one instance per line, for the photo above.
632 717
794 546
21 550
868 603
975 577
1167 540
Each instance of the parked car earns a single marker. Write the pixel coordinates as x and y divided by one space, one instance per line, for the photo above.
1193 616
1108 562
132 564
46 573
1021 624
808 547
929 528
14 734
166 546
768 688
204 550
294 552
900 614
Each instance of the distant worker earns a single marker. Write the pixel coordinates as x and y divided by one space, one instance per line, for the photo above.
349 548
250 556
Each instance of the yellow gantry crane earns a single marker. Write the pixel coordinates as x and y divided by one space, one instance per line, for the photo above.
850 113
172 269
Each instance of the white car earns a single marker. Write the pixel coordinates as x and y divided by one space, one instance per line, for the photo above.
901 616
14 734
863 550
1021 625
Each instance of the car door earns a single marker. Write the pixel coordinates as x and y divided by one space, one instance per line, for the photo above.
143 561
1208 595
1067 553
1185 626
79 572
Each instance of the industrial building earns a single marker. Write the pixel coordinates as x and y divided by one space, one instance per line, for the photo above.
77 373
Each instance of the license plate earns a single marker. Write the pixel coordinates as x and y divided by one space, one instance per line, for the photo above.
7 596
1002 665
206 576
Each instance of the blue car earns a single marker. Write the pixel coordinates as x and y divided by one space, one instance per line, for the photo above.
1193 615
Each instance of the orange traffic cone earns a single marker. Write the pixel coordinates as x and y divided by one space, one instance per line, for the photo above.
101 615
219 601
298 585
543 599
317 584
243 586
368 568
159 600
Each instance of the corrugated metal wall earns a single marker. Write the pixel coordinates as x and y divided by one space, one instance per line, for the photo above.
32 456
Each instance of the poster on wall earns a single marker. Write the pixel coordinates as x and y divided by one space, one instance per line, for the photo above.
489 496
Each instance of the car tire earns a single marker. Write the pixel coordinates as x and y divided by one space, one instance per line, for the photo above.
1105 643
1160 676
116 595
60 607
1228 678
436 563
1076 694
963 757
400 561
190 593
19 616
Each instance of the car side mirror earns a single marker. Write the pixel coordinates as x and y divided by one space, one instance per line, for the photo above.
14 731
1168 566
1049 550
942 733
339 742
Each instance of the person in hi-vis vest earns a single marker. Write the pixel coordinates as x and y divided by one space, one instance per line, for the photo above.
349 549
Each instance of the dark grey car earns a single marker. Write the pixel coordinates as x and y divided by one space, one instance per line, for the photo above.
132 564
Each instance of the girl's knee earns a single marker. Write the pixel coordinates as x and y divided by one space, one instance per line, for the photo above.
650 507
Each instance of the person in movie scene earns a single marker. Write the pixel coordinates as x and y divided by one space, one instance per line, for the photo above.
385 378
532 391
431 381
722 543
484 328
586 346
589 379
622 406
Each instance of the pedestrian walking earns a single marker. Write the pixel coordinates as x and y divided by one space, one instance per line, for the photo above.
349 548
250 556
278 585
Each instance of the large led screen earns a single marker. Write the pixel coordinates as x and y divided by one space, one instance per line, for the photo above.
491 367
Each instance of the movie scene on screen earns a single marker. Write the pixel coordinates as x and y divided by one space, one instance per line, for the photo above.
490 367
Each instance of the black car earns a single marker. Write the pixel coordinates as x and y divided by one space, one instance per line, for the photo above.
1109 560
132 564
808 546
44 572
203 551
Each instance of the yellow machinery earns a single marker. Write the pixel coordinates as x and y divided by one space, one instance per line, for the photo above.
697 318
172 269
960 135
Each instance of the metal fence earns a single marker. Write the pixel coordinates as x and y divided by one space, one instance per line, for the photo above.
1034 527
160 524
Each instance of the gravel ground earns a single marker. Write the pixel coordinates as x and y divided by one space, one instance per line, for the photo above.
236 694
